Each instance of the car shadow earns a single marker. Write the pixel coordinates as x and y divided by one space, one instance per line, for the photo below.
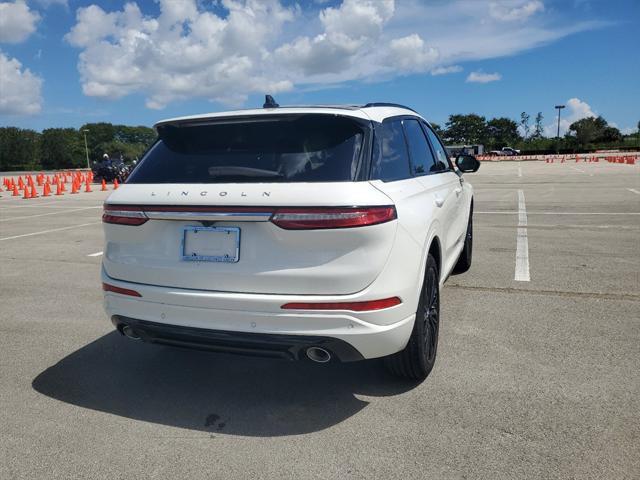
213 392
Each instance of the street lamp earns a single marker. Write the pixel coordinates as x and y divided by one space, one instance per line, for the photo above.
559 107
86 149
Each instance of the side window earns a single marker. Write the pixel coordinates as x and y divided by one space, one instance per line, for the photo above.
442 159
422 160
391 161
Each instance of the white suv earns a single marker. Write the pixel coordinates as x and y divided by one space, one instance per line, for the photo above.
297 232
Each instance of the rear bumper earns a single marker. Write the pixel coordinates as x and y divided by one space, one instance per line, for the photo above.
288 347
199 318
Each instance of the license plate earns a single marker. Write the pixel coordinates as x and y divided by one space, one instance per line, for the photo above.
211 244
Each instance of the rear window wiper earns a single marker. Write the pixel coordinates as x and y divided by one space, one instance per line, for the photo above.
243 172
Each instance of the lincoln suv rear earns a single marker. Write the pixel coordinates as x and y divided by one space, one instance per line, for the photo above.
306 233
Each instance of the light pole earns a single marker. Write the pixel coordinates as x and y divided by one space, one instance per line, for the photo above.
559 107
86 149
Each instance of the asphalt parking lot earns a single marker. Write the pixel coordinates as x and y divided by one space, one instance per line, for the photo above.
534 379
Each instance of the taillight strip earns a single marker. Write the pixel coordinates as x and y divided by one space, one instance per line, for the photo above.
122 291
366 306
322 218
289 218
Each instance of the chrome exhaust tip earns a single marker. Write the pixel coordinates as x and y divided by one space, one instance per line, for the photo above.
129 332
318 355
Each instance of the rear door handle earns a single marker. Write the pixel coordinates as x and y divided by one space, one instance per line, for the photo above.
439 201
458 191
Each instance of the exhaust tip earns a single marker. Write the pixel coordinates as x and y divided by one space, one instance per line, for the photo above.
318 355
129 332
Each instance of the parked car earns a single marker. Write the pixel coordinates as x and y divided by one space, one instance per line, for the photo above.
504 152
315 233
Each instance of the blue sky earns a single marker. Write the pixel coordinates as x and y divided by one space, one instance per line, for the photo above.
68 62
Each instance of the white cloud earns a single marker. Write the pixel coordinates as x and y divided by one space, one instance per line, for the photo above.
17 21
48 3
481 77
20 88
509 11
411 54
261 46
575 110
446 70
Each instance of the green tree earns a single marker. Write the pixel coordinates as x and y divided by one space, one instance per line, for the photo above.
502 132
19 149
592 130
62 148
466 129
438 129
524 123
538 128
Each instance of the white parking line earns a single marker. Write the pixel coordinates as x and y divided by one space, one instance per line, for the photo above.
520 171
634 191
97 254
578 169
46 214
522 242
49 231
555 213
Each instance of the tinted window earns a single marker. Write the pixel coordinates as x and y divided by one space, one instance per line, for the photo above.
442 159
422 160
307 148
391 161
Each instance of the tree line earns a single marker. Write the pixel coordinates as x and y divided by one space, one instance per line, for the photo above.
583 135
58 148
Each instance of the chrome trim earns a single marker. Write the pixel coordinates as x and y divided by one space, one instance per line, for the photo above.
211 216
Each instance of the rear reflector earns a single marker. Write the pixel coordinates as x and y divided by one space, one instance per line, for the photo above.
315 218
353 306
123 215
122 291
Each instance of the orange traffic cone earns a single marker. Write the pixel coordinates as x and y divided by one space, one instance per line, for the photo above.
115 183
34 193
20 183
74 187
46 191
26 194
15 191
59 188
104 186
87 185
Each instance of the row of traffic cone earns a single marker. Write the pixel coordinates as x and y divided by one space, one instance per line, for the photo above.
29 189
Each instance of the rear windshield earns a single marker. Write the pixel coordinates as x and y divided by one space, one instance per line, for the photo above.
287 148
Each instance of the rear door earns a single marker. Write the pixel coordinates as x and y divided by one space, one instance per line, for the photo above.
438 185
445 168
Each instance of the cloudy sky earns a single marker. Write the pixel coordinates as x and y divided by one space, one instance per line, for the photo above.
67 62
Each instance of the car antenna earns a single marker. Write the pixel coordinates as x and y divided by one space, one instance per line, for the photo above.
269 102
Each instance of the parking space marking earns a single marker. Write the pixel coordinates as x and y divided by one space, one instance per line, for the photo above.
519 171
49 231
46 214
555 213
97 254
634 191
522 242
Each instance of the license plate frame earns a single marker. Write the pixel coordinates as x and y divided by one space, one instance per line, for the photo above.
231 250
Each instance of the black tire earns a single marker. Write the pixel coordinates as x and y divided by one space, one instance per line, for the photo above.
419 356
464 260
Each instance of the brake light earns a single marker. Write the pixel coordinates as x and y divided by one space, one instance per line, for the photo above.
353 306
122 291
317 218
123 215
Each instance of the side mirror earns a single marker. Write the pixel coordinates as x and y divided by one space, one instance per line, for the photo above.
467 163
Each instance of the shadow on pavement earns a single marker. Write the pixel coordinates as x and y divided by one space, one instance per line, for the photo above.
213 392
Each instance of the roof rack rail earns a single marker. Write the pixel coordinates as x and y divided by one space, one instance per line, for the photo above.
386 104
